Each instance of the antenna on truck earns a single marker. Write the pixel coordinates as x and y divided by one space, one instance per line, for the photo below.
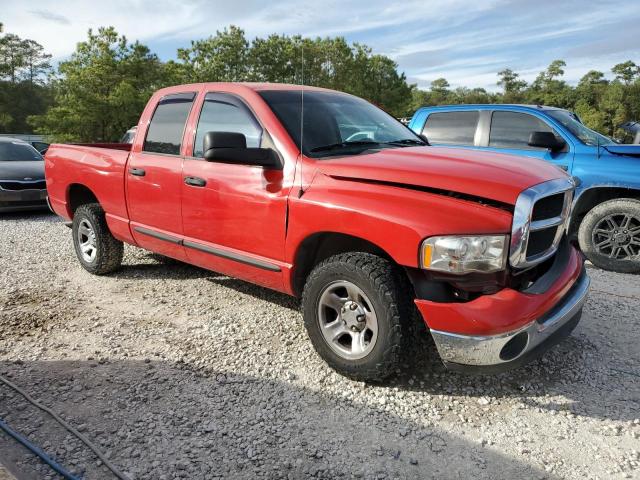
300 159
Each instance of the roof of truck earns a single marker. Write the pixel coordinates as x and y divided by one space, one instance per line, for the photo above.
238 86
471 106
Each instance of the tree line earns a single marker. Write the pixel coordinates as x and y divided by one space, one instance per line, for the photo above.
100 91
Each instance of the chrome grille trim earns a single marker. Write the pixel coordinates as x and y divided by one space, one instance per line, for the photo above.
523 226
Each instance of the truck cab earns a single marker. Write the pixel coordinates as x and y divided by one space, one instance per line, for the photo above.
607 174
321 195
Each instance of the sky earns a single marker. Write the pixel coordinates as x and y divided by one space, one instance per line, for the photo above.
465 41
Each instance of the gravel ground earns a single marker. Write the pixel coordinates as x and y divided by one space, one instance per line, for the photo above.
177 372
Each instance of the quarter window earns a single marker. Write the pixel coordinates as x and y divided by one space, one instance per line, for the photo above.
167 125
451 128
512 130
222 113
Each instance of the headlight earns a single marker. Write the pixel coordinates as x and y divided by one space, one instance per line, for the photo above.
464 254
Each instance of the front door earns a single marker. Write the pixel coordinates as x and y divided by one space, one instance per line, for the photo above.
510 131
154 179
233 215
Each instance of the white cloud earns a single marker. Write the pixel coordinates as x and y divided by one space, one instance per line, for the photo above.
465 41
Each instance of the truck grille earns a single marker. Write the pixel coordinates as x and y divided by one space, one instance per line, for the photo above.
539 222
14 185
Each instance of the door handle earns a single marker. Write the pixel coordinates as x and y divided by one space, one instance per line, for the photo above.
195 181
138 172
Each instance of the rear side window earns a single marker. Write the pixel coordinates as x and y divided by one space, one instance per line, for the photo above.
167 124
512 130
225 113
451 128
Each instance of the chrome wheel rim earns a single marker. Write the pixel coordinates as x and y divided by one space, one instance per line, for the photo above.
347 320
617 236
87 241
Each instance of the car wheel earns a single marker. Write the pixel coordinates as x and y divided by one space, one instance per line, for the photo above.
98 251
609 235
354 307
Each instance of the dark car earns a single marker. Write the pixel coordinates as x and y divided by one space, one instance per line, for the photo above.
22 183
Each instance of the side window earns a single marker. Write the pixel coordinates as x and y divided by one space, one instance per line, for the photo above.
451 128
224 113
165 131
512 130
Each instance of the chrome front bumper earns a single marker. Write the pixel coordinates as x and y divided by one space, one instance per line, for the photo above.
512 349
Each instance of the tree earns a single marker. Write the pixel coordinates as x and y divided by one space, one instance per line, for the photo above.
101 91
36 62
512 85
219 58
23 69
11 57
626 72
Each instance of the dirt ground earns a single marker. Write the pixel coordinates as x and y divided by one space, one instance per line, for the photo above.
177 372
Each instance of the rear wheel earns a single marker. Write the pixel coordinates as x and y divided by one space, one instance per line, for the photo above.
354 307
97 250
609 235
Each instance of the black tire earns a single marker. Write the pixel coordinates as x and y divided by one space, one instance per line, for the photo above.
591 240
108 251
389 293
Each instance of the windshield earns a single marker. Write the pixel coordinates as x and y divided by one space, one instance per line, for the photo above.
14 151
337 123
571 122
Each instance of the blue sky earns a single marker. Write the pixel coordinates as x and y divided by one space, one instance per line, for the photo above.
465 41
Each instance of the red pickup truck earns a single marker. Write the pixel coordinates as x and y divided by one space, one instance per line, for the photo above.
321 195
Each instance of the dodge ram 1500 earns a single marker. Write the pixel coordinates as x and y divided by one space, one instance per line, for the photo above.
321 195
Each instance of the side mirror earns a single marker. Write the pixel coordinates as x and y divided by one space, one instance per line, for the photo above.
546 140
231 147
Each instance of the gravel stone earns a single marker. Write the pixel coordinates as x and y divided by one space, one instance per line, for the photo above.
177 372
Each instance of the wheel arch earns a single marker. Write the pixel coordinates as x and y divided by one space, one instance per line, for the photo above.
594 196
321 245
77 195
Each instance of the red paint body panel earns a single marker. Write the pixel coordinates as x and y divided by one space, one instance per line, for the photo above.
502 312
373 213
258 214
482 174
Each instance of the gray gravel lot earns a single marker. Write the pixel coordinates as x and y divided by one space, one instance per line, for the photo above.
177 372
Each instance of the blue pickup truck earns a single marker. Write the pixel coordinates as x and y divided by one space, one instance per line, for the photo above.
606 209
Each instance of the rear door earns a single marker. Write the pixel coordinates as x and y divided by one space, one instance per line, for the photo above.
154 178
509 133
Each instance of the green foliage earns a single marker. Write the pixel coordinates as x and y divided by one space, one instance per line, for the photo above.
23 66
328 62
100 92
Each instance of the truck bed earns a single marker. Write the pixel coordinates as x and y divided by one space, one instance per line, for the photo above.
97 167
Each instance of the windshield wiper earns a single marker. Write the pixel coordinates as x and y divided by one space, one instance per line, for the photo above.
336 146
407 141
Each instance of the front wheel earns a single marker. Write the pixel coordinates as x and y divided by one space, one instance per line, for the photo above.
98 251
609 235
354 306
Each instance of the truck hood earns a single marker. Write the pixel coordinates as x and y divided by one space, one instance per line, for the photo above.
629 150
484 175
10 170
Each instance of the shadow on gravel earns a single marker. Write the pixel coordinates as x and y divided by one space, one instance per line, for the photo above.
573 369
160 271
160 420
